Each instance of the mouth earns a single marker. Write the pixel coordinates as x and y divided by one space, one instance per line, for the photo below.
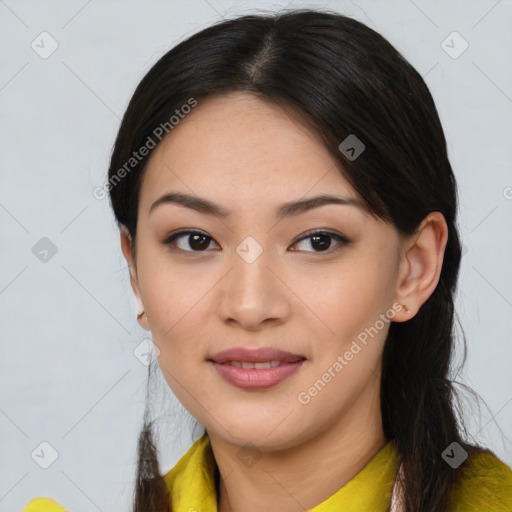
256 369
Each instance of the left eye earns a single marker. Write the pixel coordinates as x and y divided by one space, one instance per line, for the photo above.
322 240
199 242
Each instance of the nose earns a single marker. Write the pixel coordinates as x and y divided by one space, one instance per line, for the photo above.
254 293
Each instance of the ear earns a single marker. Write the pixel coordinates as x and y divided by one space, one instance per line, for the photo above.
128 251
420 265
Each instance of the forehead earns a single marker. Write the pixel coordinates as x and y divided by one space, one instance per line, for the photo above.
244 150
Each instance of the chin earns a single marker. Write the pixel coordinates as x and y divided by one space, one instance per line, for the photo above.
253 435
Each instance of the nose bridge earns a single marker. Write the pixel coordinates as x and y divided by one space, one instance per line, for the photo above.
251 292
251 276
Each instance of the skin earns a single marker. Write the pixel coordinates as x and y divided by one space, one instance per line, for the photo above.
250 157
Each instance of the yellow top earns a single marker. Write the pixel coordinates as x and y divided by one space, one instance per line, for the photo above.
43 505
486 485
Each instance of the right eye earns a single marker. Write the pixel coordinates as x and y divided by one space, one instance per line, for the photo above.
197 240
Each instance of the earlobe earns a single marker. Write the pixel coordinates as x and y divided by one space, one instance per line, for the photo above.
421 264
143 320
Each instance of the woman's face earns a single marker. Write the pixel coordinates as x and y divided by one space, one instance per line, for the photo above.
256 280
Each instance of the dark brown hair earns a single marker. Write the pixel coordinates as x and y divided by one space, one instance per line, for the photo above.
339 77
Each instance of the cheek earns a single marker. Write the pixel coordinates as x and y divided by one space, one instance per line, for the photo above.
180 333
170 291
346 298
175 302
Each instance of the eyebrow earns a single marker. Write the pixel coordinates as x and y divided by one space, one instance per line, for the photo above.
207 207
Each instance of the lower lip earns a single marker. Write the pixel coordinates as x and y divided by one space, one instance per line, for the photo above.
252 378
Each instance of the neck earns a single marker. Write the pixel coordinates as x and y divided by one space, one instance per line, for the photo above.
301 477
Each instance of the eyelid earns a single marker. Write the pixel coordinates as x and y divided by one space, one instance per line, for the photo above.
339 237
320 231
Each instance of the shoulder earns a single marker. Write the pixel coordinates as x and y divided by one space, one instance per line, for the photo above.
43 505
485 483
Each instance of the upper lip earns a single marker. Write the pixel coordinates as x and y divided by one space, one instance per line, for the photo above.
255 355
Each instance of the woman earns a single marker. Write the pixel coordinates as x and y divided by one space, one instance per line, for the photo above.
288 214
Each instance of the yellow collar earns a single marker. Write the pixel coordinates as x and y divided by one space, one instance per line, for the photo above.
486 484
191 483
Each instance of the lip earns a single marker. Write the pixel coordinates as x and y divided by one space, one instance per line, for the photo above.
254 378
255 355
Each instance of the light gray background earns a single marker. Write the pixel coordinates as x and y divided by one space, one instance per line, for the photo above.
68 373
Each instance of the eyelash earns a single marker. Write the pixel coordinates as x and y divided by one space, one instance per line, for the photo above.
343 240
